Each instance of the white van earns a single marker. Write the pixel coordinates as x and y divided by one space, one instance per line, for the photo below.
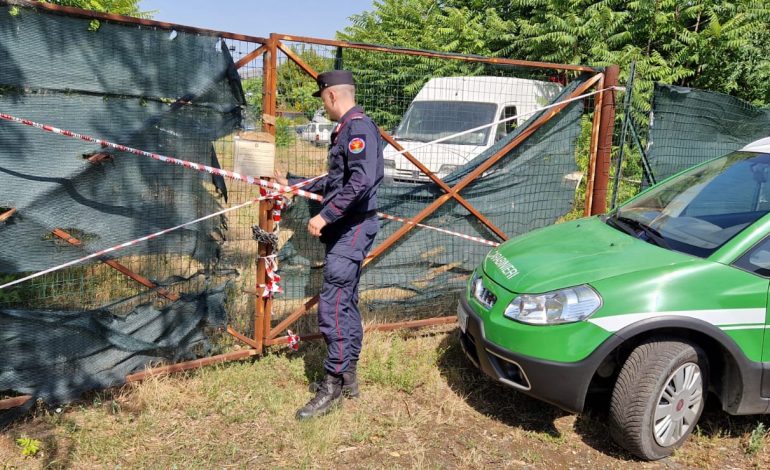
448 105
317 133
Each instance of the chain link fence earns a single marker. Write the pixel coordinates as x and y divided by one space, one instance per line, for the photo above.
190 95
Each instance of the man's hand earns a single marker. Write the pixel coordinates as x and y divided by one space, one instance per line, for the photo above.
279 174
315 225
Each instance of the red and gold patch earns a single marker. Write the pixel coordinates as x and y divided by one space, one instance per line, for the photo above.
356 145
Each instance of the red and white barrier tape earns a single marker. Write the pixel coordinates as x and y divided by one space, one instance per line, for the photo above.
278 200
165 159
273 278
149 237
293 340
271 287
280 188
448 232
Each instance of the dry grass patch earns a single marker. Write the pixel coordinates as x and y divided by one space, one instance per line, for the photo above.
422 406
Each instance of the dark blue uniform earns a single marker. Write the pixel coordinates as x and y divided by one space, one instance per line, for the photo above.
349 190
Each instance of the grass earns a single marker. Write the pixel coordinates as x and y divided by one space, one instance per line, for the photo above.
423 406
756 439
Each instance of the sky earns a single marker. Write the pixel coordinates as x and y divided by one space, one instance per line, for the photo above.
310 18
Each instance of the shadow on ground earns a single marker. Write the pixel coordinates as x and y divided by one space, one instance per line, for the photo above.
518 410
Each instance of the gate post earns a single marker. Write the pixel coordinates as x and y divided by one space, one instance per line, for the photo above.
264 304
601 144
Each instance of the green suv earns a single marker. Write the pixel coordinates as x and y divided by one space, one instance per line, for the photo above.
661 301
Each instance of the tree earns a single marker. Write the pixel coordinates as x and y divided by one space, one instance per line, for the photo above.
295 87
120 7
709 44
416 24
713 44
717 45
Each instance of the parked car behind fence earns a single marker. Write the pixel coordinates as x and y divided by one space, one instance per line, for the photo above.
317 133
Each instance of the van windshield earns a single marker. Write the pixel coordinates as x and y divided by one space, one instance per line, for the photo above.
700 210
426 121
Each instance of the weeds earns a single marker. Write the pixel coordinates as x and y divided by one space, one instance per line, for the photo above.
756 439
29 446
415 411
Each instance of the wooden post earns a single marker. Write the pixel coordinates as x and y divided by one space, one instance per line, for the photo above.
263 305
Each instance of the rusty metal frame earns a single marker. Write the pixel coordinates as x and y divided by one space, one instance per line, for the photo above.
189 365
599 160
14 402
388 138
119 267
264 335
601 145
263 307
377 327
7 214
438 55
251 56
128 20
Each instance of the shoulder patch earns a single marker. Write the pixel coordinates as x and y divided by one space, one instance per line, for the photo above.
357 144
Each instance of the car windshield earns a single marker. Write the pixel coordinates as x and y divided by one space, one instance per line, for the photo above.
426 121
700 210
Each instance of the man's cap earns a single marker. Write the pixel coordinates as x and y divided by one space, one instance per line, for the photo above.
331 78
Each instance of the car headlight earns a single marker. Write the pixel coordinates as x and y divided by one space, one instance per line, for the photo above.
390 163
560 306
481 293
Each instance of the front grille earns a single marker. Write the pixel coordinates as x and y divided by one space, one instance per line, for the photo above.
411 176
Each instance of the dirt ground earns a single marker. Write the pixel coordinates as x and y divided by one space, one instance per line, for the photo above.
423 406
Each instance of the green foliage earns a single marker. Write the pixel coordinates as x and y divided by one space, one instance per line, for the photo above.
252 88
16 295
295 87
709 44
756 439
29 447
120 7
284 132
416 24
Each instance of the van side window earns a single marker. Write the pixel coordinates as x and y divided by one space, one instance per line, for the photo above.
505 128
757 259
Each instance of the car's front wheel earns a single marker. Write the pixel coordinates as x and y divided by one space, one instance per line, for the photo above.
658 397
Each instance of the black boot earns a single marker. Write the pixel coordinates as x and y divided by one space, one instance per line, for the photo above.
349 382
326 399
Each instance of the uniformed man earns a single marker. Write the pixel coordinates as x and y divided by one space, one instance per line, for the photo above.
347 225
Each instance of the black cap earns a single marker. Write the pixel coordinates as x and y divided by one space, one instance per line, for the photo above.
334 77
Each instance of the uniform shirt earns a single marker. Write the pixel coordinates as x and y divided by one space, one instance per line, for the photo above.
356 168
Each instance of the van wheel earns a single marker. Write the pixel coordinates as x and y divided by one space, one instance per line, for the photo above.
658 397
